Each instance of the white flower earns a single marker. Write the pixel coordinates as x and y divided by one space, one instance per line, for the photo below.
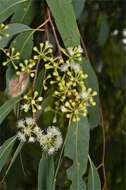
28 130
64 67
75 66
52 140
21 136
80 50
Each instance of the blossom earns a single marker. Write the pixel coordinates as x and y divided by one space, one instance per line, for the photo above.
51 141
28 130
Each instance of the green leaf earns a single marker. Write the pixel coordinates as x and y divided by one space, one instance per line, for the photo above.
103 31
6 108
76 148
78 7
93 178
7 7
24 13
46 173
13 29
25 49
64 16
5 151
39 81
92 82
14 157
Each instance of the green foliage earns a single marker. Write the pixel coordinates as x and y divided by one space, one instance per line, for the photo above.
76 148
66 23
44 85
7 107
6 150
46 173
93 178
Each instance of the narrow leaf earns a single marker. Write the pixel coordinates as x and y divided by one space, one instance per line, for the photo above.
12 30
5 151
24 49
64 16
6 108
14 156
7 7
76 149
46 173
92 82
93 178
78 7
24 15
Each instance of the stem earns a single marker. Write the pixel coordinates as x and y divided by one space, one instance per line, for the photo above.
54 32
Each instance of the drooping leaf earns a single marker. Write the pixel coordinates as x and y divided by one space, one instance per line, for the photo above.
78 7
6 108
13 29
103 31
66 23
5 151
46 173
39 81
76 148
93 178
7 7
25 49
92 82
24 13
14 156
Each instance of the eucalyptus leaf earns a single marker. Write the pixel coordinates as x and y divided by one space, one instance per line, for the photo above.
25 12
92 82
46 173
39 81
66 23
78 7
16 153
7 107
24 49
5 151
93 178
12 30
7 7
76 148
103 30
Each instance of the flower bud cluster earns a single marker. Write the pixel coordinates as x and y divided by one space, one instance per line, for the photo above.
12 56
72 95
44 52
50 139
32 102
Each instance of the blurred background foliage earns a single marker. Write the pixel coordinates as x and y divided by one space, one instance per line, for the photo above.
102 24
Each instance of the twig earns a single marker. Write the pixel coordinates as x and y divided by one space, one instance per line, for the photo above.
103 152
54 32
103 129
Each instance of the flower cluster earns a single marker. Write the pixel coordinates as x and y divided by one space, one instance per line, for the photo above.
44 52
28 131
27 67
12 57
72 96
51 140
32 102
